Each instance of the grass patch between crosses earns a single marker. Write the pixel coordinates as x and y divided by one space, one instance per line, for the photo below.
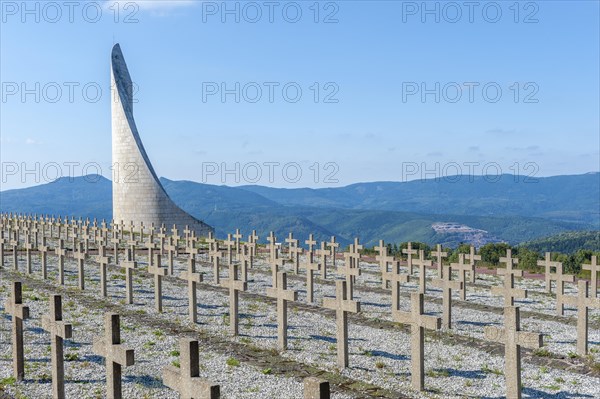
542 352
8 381
232 362
486 369
436 373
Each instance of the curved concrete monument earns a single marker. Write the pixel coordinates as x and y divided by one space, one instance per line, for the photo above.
138 195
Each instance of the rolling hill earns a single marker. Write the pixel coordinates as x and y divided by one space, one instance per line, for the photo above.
573 198
394 212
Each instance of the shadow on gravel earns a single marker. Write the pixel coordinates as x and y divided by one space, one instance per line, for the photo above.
39 360
37 381
36 330
389 355
82 381
477 323
323 338
264 336
249 316
91 358
469 295
470 374
144 380
536 393
174 299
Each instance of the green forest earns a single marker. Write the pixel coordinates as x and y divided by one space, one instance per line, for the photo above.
572 249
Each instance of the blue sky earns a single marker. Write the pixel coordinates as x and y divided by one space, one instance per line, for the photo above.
361 115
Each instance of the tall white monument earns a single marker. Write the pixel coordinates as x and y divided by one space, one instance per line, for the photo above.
138 195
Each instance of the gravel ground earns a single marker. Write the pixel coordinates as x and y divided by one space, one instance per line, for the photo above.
85 373
379 357
559 337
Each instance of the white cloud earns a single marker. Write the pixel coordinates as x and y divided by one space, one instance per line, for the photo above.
31 141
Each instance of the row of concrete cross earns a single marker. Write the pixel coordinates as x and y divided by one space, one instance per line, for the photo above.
240 254
184 379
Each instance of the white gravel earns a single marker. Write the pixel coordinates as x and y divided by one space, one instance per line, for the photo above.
379 357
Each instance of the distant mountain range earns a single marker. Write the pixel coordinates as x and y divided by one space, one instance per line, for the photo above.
472 209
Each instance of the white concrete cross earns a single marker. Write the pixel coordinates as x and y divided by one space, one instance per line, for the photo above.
561 279
151 247
116 355
129 265
291 242
422 263
342 306
193 278
418 323
80 256
15 250
115 241
409 252
235 286
310 242
43 251
230 244
447 285
548 265
275 263
132 242
28 247
439 255
2 242
583 301
246 261
272 245
396 280
282 294
159 272
472 258
311 267
508 290
238 237
323 253
383 259
349 272
215 256
333 245
594 269
19 312
295 252
186 379
462 269
171 249
61 252
252 242
102 259
59 330
513 338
